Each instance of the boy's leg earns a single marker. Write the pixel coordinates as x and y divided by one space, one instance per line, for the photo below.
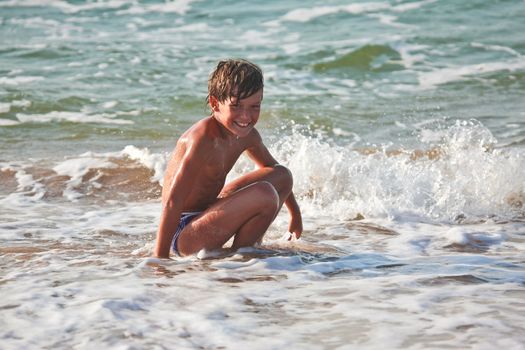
279 176
246 213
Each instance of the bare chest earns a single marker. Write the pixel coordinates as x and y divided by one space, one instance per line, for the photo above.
220 163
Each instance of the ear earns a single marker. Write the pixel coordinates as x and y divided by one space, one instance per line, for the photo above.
214 104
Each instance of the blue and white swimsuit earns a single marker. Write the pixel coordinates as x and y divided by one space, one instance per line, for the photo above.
185 219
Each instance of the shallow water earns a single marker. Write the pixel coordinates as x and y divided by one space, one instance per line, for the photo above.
403 123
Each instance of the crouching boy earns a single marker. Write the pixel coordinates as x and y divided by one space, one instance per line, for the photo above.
200 211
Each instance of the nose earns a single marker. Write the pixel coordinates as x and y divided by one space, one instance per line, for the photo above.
245 114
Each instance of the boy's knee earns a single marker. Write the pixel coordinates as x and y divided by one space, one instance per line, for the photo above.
267 194
285 176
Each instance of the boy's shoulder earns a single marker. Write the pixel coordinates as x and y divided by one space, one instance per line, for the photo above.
197 140
204 135
201 131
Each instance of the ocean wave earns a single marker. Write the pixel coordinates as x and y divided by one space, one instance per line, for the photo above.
446 75
123 6
459 177
308 14
180 7
5 107
376 58
65 6
131 174
19 80
72 117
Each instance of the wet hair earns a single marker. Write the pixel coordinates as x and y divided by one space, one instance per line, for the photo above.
237 78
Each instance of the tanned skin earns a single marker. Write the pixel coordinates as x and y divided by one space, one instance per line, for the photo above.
195 181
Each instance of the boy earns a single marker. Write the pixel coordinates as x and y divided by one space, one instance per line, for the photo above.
199 211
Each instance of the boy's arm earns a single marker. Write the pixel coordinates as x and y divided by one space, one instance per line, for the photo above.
262 157
180 188
169 221
296 222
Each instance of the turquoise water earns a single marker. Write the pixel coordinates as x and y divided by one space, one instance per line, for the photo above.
403 123
358 67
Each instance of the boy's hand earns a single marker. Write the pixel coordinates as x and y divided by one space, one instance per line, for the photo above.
296 227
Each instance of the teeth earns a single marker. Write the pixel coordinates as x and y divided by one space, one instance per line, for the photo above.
242 124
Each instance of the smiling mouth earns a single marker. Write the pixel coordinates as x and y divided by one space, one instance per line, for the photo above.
242 125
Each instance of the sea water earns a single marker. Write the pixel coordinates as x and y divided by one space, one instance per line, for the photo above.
403 123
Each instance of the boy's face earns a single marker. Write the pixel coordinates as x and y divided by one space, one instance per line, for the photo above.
238 117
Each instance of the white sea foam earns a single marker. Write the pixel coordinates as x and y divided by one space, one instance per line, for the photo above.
180 7
496 48
463 236
255 37
389 20
17 71
441 76
411 54
307 14
109 104
74 117
155 162
411 6
194 27
8 122
29 191
65 6
76 169
36 22
5 107
21 103
469 177
19 80
176 6
353 288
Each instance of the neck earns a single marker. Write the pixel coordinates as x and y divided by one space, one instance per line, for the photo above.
224 133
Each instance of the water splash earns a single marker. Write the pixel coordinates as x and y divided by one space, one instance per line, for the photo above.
461 176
